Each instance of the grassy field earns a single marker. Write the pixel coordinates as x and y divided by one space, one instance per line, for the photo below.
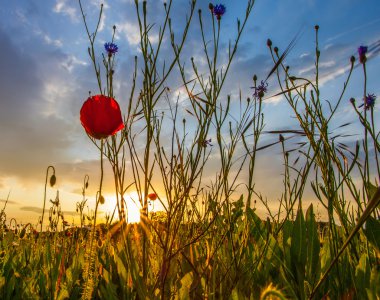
209 242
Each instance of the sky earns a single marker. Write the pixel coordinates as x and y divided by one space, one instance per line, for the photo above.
46 74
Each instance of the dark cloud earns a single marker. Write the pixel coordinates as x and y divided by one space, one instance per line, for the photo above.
69 213
8 201
32 136
34 209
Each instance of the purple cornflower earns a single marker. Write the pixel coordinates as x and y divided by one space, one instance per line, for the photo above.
260 90
207 143
219 11
369 101
362 50
111 48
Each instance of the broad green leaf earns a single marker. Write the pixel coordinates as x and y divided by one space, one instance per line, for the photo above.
313 247
362 274
298 243
371 189
120 268
372 232
298 251
184 290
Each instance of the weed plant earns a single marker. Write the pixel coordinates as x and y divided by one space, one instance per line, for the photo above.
209 242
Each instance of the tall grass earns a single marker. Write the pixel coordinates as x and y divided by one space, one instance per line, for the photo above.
209 242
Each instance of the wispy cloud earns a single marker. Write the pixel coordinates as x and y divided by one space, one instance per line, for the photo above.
130 31
62 7
35 209
357 28
8 201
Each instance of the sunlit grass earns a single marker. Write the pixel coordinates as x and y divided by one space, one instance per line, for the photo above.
172 230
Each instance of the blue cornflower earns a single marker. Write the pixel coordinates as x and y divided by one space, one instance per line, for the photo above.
207 143
369 101
111 48
219 11
260 90
362 50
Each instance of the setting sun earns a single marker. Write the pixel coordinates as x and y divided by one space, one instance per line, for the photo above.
133 210
182 149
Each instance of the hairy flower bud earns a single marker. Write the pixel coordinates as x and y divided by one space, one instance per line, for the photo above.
53 180
22 233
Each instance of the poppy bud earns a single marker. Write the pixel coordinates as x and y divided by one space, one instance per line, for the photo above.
269 43
281 138
352 59
255 77
53 180
316 27
152 196
275 49
211 7
101 199
22 233
352 100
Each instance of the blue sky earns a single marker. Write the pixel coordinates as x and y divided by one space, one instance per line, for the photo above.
45 75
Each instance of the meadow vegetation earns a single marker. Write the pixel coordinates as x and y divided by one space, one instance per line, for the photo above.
209 242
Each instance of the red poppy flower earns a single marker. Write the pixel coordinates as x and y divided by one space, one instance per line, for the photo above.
152 196
101 116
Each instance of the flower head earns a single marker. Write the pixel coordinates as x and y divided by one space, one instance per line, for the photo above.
260 90
101 116
219 10
362 50
369 101
207 143
152 196
111 48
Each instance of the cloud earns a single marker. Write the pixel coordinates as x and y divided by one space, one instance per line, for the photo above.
62 7
8 201
130 31
71 61
70 213
35 209
32 137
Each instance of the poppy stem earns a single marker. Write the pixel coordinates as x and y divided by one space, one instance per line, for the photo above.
46 180
101 181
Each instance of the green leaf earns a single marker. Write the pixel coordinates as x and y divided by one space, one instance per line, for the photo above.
371 189
298 252
186 282
298 244
372 232
313 247
362 274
